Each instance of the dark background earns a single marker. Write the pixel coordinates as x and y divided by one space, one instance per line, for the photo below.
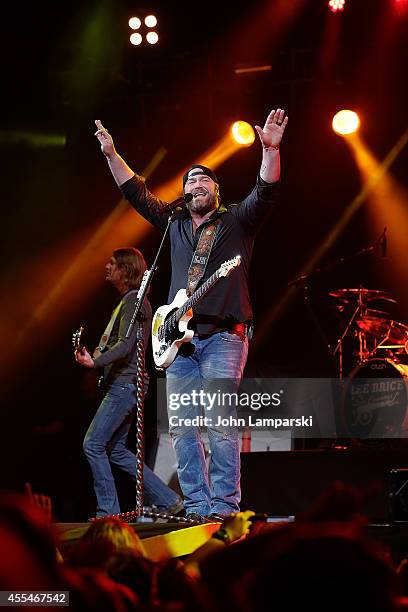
65 65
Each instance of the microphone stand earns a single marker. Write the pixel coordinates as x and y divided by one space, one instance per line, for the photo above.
174 207
299 280
148 277
141 374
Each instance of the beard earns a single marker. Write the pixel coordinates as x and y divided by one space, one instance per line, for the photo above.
203 204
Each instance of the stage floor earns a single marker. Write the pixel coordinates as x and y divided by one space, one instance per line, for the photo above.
165 540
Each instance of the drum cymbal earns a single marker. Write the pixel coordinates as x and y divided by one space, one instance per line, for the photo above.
369 312
364 294
372 312
395 332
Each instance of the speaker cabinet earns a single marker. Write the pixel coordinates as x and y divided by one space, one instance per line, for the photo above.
286 483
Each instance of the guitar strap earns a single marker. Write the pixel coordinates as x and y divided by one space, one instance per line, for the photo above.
106 334
201 255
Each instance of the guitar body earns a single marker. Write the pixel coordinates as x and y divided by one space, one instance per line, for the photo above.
165 348
169 326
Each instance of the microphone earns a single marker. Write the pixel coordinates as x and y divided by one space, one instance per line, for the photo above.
384 243
179 202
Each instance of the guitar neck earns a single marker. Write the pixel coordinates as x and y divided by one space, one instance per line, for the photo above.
196 297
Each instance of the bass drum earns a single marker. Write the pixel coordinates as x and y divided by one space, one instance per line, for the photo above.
375 400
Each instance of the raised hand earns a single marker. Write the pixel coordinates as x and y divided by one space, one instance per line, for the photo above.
272 132
102 134
40 501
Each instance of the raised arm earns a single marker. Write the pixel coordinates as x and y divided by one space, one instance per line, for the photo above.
119 168
270 137
132 185
253 209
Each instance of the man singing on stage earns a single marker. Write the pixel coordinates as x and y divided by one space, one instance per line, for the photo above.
222 320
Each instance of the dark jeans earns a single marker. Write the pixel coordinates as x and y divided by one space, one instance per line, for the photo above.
105 444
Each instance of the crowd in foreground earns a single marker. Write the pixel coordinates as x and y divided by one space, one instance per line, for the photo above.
325 560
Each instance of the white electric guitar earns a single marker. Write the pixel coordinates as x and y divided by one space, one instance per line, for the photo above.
169 326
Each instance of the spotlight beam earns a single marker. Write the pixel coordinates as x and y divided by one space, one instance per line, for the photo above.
387 206
69 284
331 237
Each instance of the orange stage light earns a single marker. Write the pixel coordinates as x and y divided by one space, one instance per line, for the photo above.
243 133
345 122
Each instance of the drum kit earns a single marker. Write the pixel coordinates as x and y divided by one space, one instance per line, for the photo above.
376 393
379 335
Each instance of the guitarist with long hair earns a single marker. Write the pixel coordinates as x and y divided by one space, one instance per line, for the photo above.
116 358
202 237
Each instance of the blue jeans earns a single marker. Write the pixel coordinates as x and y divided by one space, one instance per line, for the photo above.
217 362
105 444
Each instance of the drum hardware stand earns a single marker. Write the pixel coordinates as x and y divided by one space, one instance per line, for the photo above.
141 374
339 346
381 345
390 346
312 314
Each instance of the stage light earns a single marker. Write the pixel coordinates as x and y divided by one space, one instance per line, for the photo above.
152 38
345 122
135 38
150 21
243 133
135 23
336 5
142 24
401 6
